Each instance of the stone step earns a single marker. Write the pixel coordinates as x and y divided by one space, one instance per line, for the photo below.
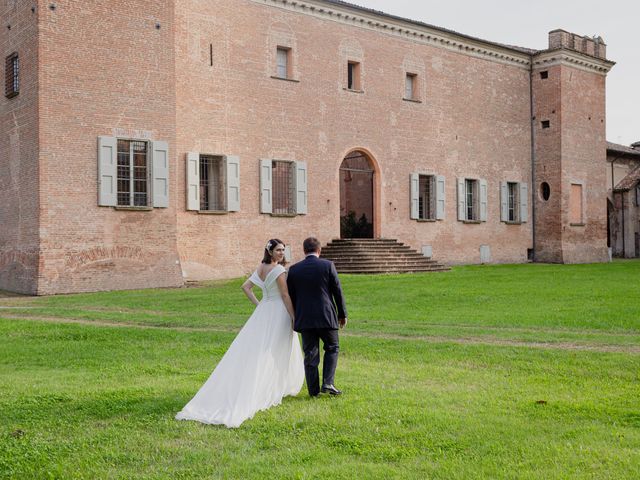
377 256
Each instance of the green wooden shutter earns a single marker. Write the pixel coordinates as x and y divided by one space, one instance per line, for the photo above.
504 202
233 183
266 187
193 181
524 202
415 195
107 171
160 169
301 188
461 200
483 200
440 197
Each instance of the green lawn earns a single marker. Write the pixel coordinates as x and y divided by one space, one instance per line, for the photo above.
516 371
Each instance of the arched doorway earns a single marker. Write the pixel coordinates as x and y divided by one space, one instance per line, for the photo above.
357 182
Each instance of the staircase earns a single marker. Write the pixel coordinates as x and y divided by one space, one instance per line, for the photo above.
376 256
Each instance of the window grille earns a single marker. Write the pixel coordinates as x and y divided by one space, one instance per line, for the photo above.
133 184
283 187
212 183
282 62
513 202
12 76
471 199
427 197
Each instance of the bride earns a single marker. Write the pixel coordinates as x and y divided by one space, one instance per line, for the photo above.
264 363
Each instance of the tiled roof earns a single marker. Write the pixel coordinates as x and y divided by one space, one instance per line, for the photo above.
353 6
628 182
617 148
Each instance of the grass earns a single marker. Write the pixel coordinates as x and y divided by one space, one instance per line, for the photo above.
527 371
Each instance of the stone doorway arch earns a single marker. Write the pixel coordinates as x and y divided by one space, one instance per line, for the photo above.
358 196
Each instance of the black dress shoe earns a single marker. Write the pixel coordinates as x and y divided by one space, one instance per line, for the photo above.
331 390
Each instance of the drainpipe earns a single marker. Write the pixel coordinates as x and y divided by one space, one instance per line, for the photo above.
624 232
533 163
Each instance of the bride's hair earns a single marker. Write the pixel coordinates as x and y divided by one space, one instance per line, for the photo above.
271 244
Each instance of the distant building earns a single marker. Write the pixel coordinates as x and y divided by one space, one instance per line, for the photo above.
144 142
623 199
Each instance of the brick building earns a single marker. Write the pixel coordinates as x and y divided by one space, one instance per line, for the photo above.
145 142
623 199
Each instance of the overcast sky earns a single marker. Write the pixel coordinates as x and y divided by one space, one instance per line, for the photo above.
526 24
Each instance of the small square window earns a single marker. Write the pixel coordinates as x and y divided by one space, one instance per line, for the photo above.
544 75
410 83
546 124
353 76
12 76
283 62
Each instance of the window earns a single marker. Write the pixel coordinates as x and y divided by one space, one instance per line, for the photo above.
410 82
545 124
514 202
133 173
427 197
12 76
353 76
283 55
544 75
472 200
283 187
213 182
575 204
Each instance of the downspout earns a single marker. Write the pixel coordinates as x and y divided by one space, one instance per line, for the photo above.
533 163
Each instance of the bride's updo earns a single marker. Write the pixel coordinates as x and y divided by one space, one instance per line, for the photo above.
271 244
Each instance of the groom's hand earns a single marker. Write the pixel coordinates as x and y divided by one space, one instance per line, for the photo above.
342 322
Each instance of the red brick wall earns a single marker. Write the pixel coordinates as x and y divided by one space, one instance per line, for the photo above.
104 66
19 129
473 121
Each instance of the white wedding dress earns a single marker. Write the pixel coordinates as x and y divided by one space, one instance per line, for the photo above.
263 364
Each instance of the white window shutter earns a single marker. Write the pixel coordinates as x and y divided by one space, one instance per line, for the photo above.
266 187
483 200
524 202
415 195
461 200
107 171
504 202
193 181
160 168
440 197
233 183
301 188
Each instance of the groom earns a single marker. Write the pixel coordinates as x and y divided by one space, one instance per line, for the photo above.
315 292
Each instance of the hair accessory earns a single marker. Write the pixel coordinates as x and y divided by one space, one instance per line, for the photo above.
268 246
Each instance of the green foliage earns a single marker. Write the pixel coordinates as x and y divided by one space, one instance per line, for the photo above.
527 371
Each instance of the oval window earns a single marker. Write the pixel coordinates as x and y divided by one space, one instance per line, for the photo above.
545 191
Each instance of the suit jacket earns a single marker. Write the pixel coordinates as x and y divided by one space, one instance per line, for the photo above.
316 293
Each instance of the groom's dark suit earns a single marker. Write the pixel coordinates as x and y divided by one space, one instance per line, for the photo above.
315 292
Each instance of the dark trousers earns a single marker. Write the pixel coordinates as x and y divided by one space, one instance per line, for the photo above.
310 346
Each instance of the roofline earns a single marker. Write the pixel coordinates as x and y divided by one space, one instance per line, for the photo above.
622 149
358 8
